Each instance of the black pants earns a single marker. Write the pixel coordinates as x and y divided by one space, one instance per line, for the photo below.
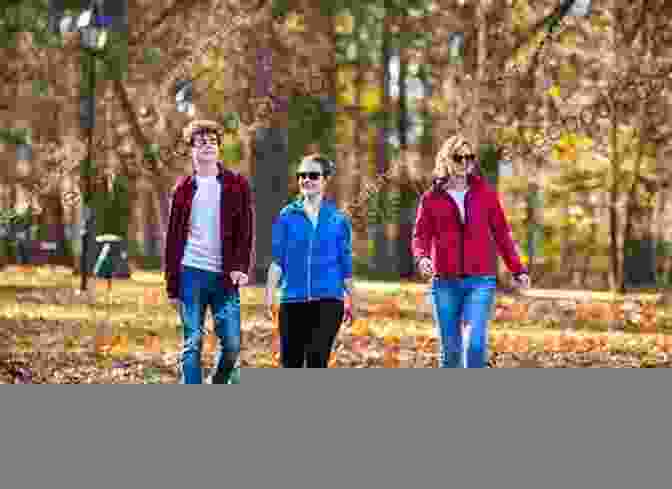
308 331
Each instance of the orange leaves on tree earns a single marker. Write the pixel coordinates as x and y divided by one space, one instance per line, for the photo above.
554 91
344 23
569 147
295 22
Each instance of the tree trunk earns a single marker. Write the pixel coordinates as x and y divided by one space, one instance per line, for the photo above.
660 235
565 243
615 275
162 190
359 154
271 164
636 266
151 228
481 57
587 255
382 262
533 223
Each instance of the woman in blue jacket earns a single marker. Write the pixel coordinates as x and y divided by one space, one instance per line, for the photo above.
312 261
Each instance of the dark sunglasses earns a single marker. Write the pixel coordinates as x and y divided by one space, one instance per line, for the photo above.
312 175
467 158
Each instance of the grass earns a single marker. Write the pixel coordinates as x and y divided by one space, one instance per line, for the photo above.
139 309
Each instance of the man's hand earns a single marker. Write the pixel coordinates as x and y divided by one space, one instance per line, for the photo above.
239 278
522 281
426 267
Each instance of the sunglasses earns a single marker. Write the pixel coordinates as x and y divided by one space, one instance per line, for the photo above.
468 158
312 175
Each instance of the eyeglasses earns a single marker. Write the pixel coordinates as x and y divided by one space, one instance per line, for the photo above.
467 158
312 175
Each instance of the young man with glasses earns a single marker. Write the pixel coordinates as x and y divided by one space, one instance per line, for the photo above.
459 224
208 249
312 256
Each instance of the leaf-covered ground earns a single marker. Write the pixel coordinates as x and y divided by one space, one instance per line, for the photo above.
51 334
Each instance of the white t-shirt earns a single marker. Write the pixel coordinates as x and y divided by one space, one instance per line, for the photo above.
204 244
459 199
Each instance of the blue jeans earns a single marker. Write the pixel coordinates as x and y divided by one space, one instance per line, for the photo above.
198 290
456 302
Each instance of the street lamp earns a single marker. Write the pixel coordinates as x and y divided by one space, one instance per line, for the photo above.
184 97
579 8
91 26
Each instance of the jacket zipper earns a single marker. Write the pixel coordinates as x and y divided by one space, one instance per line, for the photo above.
464 227
310 251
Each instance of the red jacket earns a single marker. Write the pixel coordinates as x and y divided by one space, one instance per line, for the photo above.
456 248
236 216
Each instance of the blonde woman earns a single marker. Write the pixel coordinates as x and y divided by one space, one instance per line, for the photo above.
459 225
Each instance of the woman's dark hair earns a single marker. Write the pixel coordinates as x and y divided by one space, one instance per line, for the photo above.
328 166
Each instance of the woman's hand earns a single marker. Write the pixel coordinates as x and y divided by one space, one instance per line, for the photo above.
426 267
239 278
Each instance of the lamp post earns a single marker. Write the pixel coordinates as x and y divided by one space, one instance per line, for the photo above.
184 97
91 26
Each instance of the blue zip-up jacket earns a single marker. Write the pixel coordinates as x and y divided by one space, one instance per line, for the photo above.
315 262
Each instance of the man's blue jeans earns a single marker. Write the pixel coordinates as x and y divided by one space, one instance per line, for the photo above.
198 290
462 301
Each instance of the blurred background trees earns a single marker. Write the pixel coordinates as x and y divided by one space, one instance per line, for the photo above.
572 117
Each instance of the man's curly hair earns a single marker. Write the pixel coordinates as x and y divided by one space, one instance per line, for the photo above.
201 127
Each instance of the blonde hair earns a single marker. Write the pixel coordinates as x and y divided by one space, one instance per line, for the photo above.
201 125
444 163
